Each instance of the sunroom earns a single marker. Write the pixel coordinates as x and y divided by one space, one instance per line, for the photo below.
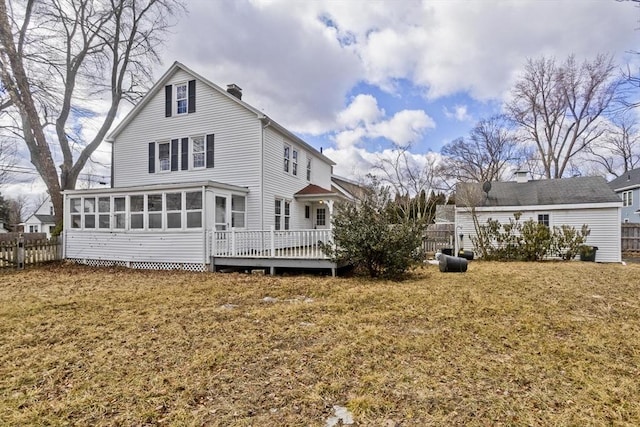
156 226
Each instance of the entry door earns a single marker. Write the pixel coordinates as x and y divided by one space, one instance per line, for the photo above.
222 216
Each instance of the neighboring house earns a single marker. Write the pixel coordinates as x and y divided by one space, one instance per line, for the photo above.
3 228
627 186
554 202
42 220
201 179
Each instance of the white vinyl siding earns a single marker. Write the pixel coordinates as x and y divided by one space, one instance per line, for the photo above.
282 185
604 224
168 246
238 134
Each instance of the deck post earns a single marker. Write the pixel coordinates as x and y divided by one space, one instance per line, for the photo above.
233 241
273 241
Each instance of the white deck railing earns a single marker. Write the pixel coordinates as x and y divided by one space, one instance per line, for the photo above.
303 244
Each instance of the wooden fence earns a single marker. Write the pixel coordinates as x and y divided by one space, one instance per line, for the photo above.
438 236
630 235
24 251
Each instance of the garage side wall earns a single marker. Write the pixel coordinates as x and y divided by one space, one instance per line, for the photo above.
604 224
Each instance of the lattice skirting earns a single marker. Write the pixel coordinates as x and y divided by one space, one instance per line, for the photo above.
141 265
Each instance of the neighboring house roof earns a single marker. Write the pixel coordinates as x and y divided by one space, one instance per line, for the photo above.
349 188
45 219
626 181
259 114
566 191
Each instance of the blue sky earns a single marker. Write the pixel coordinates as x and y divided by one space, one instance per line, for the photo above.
356 77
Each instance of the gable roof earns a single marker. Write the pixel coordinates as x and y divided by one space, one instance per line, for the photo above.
566 191
628 180
45 219
165 78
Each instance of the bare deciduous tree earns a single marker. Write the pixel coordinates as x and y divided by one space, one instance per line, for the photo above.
618 151
411 178
559 107
61 60
485 155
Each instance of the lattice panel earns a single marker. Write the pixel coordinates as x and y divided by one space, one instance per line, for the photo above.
98 262
141 265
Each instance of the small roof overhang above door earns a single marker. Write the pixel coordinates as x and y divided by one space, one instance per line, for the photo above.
315 193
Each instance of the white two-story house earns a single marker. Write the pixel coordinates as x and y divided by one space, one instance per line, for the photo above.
202 179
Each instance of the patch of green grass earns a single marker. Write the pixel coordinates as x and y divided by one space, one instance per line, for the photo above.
503 344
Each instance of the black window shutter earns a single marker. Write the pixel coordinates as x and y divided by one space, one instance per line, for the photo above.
174 154
152 157
167 101
210 150
185 154
191 107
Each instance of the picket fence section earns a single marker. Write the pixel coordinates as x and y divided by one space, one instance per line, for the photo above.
23 251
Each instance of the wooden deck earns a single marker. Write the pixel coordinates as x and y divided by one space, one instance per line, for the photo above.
271 249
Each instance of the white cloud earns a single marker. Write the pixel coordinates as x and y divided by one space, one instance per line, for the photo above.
363 110
363 120
458 113
404 128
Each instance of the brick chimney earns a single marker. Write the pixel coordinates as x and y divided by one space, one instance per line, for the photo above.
235 90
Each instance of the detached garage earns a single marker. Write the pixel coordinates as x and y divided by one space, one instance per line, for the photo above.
553 202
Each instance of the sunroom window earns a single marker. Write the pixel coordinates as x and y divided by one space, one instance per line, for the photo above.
194 209
154 210
104 212
136 215
174 210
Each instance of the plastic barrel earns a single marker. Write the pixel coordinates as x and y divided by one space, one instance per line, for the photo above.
466 255
450 264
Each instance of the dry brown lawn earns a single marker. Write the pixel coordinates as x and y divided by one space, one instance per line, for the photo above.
503 344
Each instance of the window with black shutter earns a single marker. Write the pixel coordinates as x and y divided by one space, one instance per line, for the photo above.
192 96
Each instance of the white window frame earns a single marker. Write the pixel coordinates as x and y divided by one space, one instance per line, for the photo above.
324 216
193 152
235 211
308 168
176 100
104 213
119 213
627 198
159 160
193 210
287 158
282 214
294 162
166 211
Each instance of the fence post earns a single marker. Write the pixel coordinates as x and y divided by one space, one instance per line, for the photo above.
20 253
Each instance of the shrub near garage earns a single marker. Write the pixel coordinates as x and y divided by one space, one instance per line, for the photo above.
528 240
